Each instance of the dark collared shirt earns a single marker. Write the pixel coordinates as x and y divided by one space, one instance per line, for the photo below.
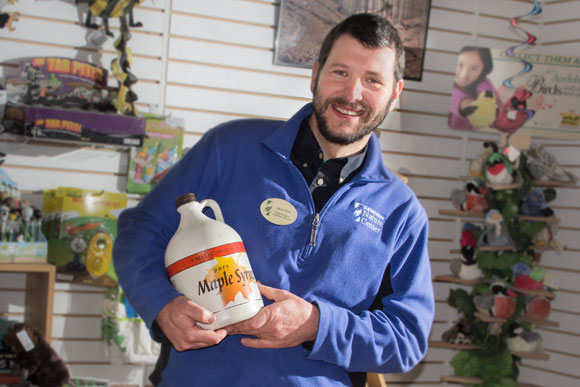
324 177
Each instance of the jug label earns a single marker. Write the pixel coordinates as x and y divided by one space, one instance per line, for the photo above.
221 273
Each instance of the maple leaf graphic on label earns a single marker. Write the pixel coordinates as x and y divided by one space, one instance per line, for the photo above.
232 279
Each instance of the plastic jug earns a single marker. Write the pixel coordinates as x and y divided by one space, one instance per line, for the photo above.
206 261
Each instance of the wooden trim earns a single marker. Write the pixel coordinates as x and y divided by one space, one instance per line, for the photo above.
487 318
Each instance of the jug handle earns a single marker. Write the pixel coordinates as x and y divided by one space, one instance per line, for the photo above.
215 207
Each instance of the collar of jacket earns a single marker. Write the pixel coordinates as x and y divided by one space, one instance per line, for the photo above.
282 140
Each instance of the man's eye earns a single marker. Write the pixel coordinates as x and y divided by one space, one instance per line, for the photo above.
375 81
339 72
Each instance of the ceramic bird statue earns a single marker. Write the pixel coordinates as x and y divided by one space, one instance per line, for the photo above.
524 341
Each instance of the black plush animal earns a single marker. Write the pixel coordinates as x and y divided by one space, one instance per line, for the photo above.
43 367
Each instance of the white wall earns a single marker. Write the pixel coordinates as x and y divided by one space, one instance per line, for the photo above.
211 61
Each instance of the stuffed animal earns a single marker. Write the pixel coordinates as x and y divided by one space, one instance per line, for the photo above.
499 303
528 278
35 356
472 197
534 204
482 112
537 308
476 165
512 114
524 341
498 169
459 333
543 166
466 267
496 232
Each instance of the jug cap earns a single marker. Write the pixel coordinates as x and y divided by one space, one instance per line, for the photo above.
183 199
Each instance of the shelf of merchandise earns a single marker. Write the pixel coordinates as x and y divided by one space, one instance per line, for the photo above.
491 319
474 214
39 293
466 380
459 347
456 280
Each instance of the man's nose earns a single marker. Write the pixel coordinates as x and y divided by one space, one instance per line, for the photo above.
353 90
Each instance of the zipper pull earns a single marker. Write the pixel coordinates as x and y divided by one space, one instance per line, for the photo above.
314 229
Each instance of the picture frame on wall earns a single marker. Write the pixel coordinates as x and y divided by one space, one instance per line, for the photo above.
302 25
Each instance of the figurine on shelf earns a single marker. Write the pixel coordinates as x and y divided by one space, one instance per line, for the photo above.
534 204
476 165
522 340
472 197
496 232
498 169
466 267
499 303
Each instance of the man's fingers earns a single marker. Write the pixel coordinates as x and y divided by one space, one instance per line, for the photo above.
272 293
198 313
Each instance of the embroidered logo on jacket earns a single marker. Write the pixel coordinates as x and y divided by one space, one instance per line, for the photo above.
369 217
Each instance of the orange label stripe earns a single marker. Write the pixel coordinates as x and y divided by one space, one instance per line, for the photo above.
204 256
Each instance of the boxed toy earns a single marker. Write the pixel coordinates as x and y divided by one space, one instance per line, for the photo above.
81 226
160 150
65 82
73 125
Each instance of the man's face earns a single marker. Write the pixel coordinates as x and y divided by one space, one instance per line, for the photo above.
354 91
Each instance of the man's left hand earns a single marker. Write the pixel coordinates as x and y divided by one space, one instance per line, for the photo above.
287 322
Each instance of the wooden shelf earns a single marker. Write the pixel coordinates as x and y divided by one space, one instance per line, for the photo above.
456 280
466 380
537 183
487 318
39 298
539 292
459 347
466 214
545 219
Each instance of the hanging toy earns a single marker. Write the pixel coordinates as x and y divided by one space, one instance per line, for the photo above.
513 114
106 9
120 67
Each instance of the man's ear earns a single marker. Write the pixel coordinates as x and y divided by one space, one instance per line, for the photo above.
314 75
397 93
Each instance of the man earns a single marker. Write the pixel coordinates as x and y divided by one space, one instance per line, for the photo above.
347 285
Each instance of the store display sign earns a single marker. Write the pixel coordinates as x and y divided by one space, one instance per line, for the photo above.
535 94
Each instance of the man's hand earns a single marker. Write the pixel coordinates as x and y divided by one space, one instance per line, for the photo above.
287 322
178 321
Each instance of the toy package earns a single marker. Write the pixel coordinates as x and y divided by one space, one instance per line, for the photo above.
65 82
161 149
21 239
80 226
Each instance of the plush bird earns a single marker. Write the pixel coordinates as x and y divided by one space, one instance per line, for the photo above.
472 197
498 169
482 112
496 232
522 340
466 267
476 165
459 333
543 166
512 114
500 303
528 278
537 308
534 204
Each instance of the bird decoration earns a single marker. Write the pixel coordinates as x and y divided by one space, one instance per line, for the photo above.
525 277
512 114
522 340
466 267
543 166
499 303
534 204
472 197
482 112
537 308
498 169
476 165
496 232
459 333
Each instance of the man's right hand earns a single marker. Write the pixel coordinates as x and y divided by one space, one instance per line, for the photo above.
178 321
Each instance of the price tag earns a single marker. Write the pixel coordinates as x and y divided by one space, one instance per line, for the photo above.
25 340
552 281
512 153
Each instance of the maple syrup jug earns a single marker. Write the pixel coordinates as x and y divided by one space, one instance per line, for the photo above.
206 261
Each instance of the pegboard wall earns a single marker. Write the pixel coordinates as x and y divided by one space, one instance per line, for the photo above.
212 61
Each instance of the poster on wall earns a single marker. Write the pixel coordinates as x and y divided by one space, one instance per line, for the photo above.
535 94
303 24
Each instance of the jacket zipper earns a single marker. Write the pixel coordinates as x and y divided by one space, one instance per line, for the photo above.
314 229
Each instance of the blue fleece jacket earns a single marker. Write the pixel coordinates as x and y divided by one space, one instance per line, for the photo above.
368 270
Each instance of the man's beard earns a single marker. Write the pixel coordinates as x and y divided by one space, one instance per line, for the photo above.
368 124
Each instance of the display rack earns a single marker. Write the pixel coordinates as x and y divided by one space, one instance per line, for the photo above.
39 293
